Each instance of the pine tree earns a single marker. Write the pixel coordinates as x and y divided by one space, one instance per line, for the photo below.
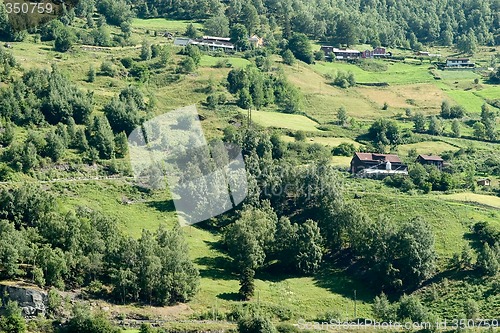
247 285
488 261
81 141
191 31
55 147
91 74
102 137
146 52
121 144
342 116
455 128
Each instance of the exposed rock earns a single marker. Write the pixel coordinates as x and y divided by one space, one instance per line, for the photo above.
32 300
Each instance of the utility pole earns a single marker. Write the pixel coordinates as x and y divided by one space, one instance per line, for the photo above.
355 306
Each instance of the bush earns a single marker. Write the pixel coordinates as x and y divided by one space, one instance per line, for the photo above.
410 307
300 136
344 80
64 40
127 62
288 57
255 324
344 149
108 68
319 55
140 71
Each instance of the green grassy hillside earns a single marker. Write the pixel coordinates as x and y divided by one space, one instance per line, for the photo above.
410 86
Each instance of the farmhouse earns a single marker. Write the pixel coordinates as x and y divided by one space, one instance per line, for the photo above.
459 63
431 160
340 54
378 52
209 42
374 165
256 41
214 43
484 182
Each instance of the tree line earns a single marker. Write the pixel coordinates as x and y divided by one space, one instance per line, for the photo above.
407 24
82 247
377 22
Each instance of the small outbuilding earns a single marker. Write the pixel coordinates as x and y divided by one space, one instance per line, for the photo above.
484 182
435 160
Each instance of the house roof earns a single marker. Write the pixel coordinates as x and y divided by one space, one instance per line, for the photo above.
336 50
182 41
378 157
430 157
221 39
458 59
213 43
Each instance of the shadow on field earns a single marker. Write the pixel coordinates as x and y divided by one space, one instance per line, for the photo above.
229 296
216 268
164 206
337 281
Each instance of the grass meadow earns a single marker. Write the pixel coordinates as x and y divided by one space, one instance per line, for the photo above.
410 86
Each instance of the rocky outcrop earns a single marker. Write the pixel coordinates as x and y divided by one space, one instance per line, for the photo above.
33 301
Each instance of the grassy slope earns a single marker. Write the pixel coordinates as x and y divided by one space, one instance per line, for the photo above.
307 297
288 121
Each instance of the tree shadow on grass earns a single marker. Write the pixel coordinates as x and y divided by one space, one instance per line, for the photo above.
341 282
216 268
229 296
164 206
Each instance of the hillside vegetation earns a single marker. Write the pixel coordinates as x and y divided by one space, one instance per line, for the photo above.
310 241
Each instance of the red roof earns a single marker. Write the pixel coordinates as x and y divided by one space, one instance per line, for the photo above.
378 157
430 157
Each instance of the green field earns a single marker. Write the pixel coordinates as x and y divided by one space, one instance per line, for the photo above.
426 148
480 199
304 297
450 220
282 120
396 73
489 92
467 99
327 141
172 26
210 61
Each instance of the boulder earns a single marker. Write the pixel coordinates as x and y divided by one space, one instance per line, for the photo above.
32 300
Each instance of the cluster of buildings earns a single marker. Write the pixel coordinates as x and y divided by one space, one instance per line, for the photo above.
217 43
344 54
380 52
213 43
373 165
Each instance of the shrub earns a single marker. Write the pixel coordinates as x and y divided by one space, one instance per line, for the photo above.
344 149
108 68
127 62
300 136
256 324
